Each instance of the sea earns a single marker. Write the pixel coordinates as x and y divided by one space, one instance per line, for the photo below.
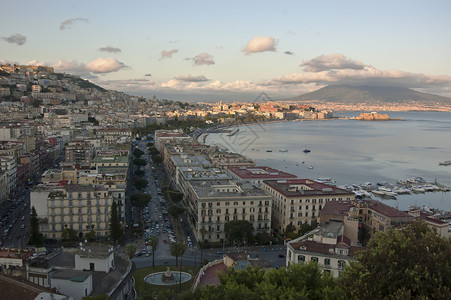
353 151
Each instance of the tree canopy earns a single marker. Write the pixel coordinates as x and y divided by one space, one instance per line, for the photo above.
304 281
140 200
139 182
410 263
116 233
238 231
177 249
36 237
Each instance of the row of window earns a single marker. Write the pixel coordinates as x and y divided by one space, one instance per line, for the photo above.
235 217
340 263
235 211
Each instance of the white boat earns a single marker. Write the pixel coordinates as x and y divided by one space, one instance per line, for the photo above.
445 163
377 192
310 167
418 189
233 132
283 150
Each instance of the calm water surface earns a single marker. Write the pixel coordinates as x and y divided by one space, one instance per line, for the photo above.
353 152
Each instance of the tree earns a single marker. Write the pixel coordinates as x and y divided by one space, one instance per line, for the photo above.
139 162
156 158
298 281
130 250
138 153
91 234
175 211
116 233
203 232
36 237
153 241
139 182
177 249
139 172
140 200
408 263
69 235
238 231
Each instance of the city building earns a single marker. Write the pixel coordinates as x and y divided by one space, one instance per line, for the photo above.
327 245
78 207
298 201
212 204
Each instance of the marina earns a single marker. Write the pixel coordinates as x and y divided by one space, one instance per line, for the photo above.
353 153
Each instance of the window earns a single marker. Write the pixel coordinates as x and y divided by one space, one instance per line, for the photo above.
341 264
315 259
301 258
327 261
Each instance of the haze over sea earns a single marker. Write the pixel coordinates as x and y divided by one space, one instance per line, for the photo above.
354 152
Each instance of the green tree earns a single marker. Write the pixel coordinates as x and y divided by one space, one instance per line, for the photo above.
91 234
139 162
36 237
177 249
298 281
410 263
156 158
69 235
139 182
139 172
203 232
140 200
238 231
116 233
138 153
175 211
153 241
130 250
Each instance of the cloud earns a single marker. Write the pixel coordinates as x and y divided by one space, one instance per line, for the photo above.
123 84
260 44
69 22
97 66
168 54
329 62
105 65
203 59
16 39
289 53
190 78
110 49
148 74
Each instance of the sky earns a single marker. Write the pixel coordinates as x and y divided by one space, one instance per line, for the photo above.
233 50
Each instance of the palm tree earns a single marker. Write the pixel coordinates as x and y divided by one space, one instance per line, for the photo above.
203 232
177 249
153 241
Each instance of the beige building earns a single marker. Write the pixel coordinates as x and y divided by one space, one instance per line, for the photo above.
212 205
298 201
327 245
76 206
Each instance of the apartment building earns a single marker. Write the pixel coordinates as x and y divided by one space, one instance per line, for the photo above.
76 206
326 245
212 204
298 201
8 165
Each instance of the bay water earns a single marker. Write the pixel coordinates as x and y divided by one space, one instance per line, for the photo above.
354 151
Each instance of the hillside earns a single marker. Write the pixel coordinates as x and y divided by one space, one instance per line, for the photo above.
372 94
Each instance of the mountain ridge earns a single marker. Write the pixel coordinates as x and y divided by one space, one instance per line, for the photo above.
359 94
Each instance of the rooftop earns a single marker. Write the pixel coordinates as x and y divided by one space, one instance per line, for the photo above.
262 172
305 187
232 189
386 210
336 208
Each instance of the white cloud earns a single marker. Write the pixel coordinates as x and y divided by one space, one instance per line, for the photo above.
330 62
168 53
17 38
110 49
190 78
97 66
67 23
203 59
260 44
105 65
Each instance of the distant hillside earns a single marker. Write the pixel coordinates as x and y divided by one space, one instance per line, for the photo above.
373 94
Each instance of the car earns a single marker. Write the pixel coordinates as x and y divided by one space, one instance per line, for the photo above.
165 241
22 226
